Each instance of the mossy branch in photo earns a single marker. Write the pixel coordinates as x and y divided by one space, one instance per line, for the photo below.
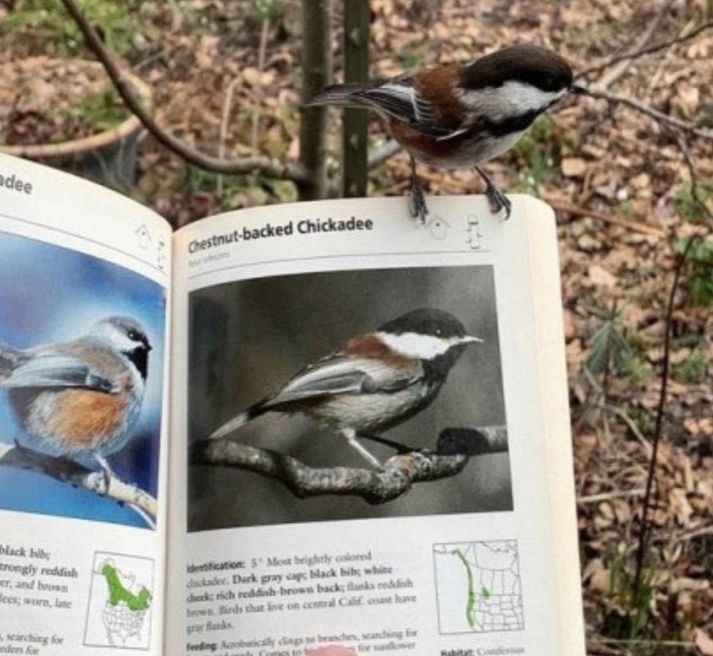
397 476
67 471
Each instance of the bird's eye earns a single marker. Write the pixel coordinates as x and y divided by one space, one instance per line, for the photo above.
133 335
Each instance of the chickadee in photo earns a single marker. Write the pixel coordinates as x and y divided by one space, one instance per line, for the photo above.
79 399
456 116
374 381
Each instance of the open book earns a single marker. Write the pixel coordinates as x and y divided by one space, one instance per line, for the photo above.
281 429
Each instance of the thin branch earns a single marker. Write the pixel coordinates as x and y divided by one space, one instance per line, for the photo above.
648 111
661 45
397 475
644 528
692 534
260 91
693 173
636 226
257 164
607 496
618 412
623 65
654 79
68 471
224 119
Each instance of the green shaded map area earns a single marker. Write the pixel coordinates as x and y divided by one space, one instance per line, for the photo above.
470 606
118 593
470 603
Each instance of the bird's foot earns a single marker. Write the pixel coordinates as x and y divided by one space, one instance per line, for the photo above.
498 200
417 205
351 437
107 472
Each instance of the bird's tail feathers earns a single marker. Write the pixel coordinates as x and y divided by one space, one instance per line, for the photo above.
340 95
237 422
9 358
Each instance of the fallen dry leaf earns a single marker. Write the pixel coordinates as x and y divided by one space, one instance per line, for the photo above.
600 276
703 641
574 167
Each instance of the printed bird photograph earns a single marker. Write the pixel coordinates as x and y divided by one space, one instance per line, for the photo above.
81 377
344 370
374 381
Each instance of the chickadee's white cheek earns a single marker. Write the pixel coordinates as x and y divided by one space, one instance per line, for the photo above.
413 345
509 100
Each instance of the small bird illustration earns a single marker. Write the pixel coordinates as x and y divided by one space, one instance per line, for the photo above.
374 381
79 399
455 116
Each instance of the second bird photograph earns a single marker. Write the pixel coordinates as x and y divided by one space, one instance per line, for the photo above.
339 372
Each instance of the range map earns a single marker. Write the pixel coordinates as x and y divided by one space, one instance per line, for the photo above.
120 600
478 586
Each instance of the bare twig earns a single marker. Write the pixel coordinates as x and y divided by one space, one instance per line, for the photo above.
397 475
623 65
662 63
630 423
692 534
68 471
657 115
661 45
644 529
636 226
606 496
693 174
255 128
225 117
257 164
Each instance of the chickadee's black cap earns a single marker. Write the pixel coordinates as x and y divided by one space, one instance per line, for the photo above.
425 321
523 62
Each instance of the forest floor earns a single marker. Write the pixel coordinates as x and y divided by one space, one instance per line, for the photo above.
621 185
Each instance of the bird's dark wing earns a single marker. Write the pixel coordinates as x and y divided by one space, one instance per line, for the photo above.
397 98
51 370
401 99
339 374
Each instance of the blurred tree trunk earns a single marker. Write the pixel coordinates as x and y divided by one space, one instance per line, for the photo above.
356 69
316 74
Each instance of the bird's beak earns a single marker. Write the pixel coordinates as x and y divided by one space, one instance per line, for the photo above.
578 89
469 339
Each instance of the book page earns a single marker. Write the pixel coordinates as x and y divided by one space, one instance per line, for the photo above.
83 353
361 431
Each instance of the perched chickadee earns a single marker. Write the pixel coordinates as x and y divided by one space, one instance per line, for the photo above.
374 381
79 399
461 116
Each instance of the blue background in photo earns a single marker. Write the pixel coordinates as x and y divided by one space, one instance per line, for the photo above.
48 294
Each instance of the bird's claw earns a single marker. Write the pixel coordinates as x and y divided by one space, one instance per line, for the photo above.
106 474
498 201
417 206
